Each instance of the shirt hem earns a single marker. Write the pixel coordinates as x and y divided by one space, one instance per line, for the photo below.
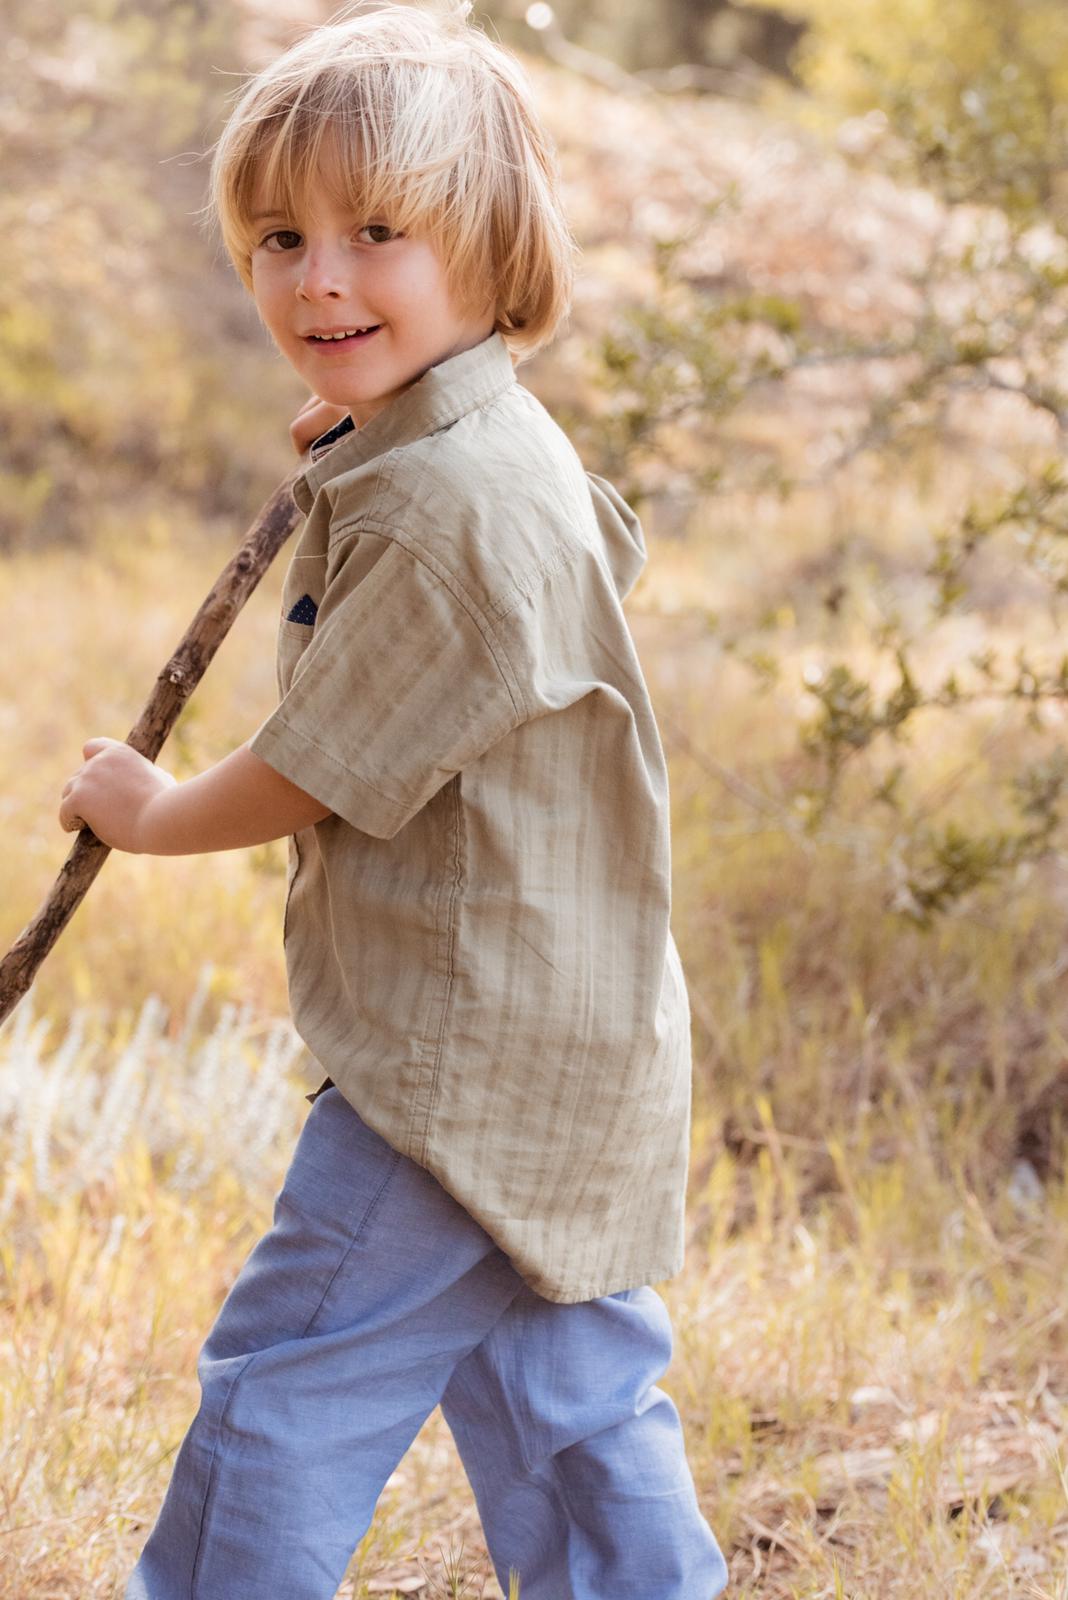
561 1295
314 770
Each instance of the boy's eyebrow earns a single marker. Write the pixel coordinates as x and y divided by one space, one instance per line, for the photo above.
263 216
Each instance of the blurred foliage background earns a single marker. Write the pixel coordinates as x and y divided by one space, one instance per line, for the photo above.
129 369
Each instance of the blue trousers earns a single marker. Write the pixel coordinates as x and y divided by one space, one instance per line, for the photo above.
373 1298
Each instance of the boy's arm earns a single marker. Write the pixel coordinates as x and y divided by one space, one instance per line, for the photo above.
132 805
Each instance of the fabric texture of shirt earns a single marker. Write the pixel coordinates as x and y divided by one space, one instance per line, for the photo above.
478 940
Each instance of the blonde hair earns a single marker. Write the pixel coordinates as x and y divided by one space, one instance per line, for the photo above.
437 133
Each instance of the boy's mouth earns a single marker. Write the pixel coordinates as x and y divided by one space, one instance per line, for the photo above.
343 340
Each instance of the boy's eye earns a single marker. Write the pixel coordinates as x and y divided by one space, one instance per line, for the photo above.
380 228
381 233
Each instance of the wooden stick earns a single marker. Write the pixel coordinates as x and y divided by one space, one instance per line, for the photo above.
173 687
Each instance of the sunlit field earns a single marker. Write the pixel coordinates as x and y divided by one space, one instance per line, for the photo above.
871 1356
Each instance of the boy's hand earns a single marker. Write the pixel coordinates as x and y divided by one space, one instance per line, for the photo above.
111 793
314 417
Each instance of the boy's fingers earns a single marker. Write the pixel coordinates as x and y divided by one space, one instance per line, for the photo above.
92 747
67 821
313 418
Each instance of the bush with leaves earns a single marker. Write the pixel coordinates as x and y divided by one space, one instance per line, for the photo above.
967 99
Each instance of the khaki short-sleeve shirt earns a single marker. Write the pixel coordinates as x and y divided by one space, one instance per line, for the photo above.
477 939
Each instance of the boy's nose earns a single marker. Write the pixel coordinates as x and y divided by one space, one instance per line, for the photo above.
319 287
322 276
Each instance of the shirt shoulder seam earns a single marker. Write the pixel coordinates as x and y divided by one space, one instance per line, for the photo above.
560 556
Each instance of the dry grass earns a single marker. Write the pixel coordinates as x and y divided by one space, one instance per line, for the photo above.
874 1386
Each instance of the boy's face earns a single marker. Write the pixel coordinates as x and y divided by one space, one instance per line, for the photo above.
332 271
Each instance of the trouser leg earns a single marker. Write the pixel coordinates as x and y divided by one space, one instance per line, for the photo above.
577 1459
332 1347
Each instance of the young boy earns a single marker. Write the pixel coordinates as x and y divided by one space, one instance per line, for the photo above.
477 929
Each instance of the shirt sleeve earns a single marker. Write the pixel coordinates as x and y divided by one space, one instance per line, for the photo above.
401 686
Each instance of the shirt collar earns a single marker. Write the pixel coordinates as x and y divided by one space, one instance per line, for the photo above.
441 396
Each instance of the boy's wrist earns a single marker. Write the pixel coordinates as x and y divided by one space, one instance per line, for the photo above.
151 830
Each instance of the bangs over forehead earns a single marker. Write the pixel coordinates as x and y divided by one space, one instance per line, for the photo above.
376 141
410 116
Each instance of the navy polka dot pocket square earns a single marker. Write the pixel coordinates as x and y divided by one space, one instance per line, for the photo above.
305 610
